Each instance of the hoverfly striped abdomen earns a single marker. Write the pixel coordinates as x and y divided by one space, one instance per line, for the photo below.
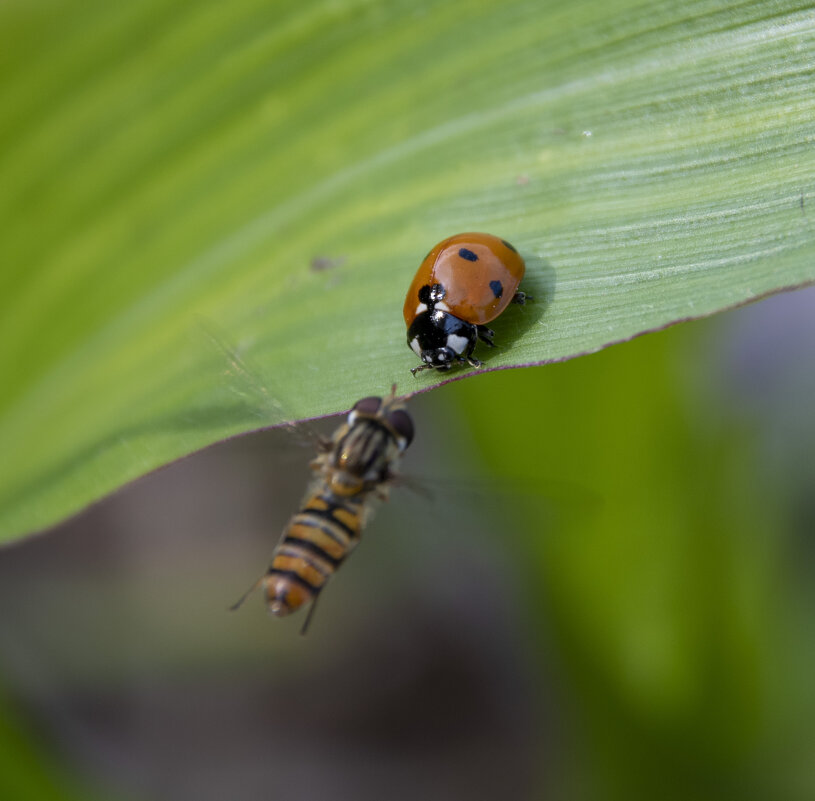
314 545
352 469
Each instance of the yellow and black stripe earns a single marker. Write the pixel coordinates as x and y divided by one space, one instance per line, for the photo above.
314 544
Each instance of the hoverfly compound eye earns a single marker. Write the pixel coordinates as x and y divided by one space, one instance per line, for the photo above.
402 424
368 405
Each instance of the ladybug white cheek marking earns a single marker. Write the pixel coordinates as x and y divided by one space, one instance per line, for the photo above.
422 307
441 306
457 344
415 347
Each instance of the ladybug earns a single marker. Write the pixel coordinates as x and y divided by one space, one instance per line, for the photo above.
463 283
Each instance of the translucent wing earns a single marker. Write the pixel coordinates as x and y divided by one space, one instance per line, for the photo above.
244 380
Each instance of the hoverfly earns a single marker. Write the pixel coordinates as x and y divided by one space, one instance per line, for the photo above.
354 468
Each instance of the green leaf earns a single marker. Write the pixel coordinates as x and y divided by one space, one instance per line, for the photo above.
161 160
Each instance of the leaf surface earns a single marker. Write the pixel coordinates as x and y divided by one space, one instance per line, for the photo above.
281 169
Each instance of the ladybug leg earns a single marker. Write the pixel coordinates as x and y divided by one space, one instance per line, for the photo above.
419 369
468 356
485 335
520 298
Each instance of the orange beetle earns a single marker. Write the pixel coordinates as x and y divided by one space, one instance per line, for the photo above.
463 283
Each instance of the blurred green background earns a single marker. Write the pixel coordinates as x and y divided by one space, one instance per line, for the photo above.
608 596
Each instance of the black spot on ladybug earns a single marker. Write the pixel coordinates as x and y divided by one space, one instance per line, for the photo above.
467 254
509 246
497 288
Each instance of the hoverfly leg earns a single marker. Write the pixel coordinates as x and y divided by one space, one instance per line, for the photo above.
239 603
307 622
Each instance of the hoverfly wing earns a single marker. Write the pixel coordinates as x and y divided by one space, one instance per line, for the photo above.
244 381
554 498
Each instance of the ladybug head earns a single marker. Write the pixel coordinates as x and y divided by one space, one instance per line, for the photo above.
431 294
441 339
439 358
